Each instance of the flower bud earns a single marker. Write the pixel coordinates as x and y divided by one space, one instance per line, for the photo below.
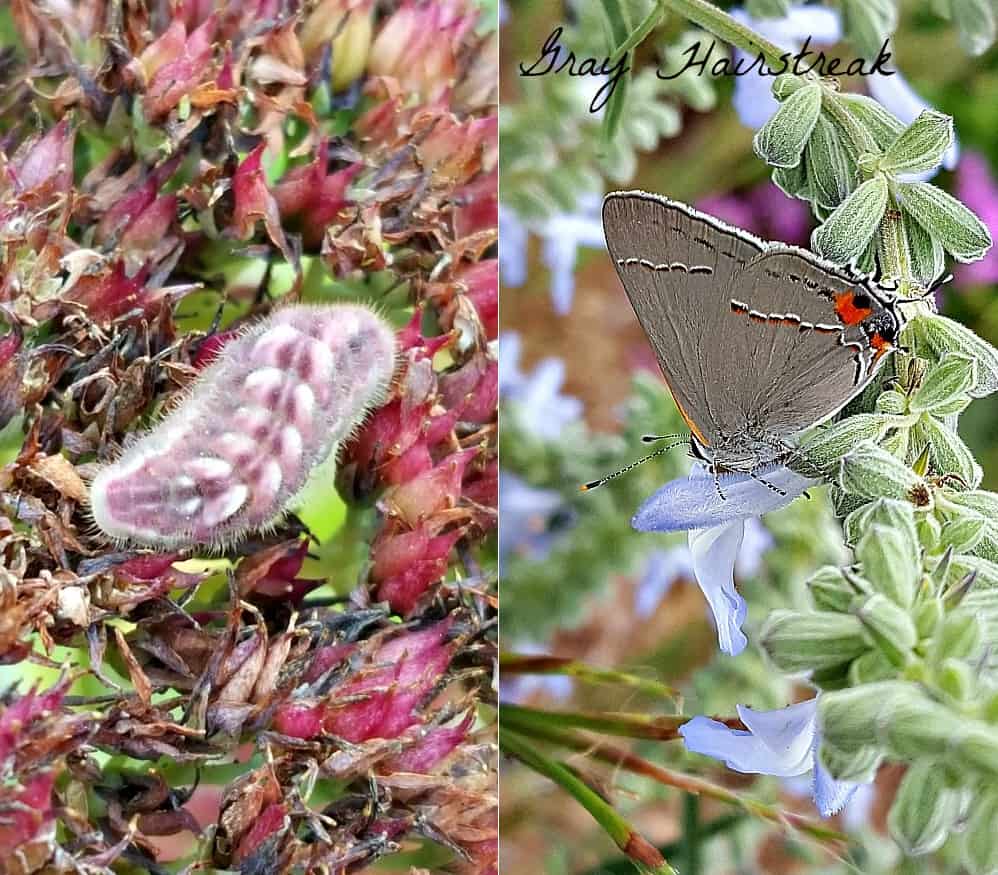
871 667
827 444
978 749
917 727
980 841
797 641
924 810
860 766
871 472
874 116
963 533
886 512
929 531
927 616
832 591
891 562
958 679
959 636
890 627
850 718
830 166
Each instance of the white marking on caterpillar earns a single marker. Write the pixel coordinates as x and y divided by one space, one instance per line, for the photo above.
237 452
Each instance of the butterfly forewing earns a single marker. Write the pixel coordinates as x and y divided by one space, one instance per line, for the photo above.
674 264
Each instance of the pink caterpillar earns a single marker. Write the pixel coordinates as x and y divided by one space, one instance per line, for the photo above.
232 457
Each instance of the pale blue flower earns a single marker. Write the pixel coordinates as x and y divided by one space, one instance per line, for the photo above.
513 237
536 398
900 98
662 569
753 98
562 235
782 743
716 528
524 524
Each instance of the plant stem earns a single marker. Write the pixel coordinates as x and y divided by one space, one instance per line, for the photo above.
654 727
691 834
729 29
621 758
623 834
709 830
517 663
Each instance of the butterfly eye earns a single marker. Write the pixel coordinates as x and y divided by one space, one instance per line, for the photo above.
861 301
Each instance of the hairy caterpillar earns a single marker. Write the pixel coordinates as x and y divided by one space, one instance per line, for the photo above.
232 457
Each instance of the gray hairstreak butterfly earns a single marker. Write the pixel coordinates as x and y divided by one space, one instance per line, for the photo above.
757 341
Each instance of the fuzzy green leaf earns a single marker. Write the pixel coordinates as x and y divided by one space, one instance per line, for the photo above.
960 232
780 142
921 145
847 231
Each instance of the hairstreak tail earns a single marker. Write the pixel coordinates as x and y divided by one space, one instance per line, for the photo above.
757 341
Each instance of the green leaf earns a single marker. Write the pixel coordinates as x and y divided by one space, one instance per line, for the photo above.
980 841
938 335
928 258
829 166
960 232
883 125
951 378
924 809
848 230
921 145
780 142
975 20
951 454
767 8
868 23
618 18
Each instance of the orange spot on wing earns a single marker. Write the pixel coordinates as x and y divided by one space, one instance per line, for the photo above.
881 345
847 310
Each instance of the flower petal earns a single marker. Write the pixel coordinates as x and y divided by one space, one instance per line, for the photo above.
830 795
788 732
714 552
693 502
739 750
513 248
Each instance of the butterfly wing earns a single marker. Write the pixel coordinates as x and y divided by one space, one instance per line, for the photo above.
795 351
676 265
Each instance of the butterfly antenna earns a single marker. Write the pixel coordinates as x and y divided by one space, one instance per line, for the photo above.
654 438
592 484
